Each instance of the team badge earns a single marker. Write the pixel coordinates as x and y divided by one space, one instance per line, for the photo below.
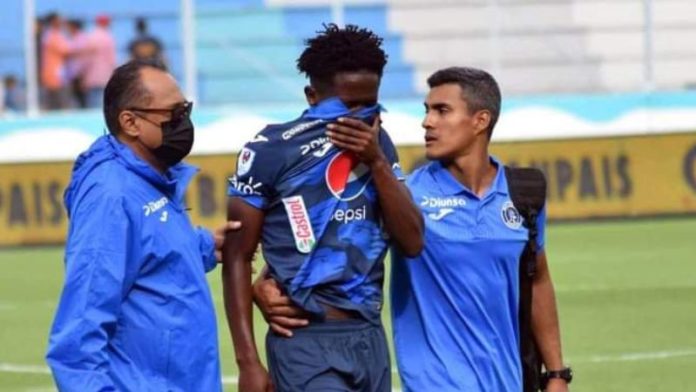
511 217
246 159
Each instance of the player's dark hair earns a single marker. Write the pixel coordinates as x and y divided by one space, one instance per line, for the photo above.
479 89
335 50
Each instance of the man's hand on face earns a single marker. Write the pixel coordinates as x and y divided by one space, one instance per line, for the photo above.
355 135
277 308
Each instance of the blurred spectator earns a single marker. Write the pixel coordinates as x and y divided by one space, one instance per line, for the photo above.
39 29
75 66
145 46
54 50
14 98
100 61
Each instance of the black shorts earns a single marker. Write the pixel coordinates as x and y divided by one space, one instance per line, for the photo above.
331 356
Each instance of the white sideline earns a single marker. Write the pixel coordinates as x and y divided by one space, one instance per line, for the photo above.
622 357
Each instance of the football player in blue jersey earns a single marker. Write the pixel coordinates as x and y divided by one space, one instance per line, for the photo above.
455 305
324 196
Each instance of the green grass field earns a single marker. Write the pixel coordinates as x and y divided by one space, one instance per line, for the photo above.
626 291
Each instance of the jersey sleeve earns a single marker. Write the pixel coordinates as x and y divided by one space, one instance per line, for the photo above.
256 173
392 155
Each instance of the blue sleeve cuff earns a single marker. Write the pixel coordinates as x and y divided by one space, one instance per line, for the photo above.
256 201
207 247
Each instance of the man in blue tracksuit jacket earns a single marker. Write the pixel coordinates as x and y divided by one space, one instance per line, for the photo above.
136 313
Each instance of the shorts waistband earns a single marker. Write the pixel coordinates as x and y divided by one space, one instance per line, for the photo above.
336 326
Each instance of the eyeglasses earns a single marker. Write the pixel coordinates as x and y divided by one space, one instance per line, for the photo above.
177 113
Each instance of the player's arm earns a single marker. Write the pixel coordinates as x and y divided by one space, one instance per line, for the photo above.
545 322
402 219
210 243
237 253
281 314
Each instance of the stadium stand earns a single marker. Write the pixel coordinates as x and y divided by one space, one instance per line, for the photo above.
245 49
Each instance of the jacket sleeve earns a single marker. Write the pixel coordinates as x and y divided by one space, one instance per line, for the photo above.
207 247
96 271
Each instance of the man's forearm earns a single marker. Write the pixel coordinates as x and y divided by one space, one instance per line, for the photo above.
402 219
545 322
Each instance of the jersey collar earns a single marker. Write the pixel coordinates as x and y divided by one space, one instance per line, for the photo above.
450 186
333 108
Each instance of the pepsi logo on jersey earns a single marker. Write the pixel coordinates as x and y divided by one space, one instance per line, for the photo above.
350 214
347 177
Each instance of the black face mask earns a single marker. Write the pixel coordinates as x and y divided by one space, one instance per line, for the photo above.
177 140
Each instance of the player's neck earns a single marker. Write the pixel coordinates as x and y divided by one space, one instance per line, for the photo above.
474 170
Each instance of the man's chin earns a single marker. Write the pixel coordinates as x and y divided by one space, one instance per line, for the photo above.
431 154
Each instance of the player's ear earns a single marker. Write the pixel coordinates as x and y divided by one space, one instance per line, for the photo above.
311 95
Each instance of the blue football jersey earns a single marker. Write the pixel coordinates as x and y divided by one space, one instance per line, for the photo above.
322 237
455 305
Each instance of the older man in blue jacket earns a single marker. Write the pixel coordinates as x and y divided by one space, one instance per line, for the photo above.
136 312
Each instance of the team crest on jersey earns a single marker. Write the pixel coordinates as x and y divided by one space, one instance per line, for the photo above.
300 223
246 159
511 217
346 176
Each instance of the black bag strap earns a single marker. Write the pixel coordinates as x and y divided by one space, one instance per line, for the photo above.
527 188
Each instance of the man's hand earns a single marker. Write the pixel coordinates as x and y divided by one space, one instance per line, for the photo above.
219 235
355 135
556 385
277 308
254 378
